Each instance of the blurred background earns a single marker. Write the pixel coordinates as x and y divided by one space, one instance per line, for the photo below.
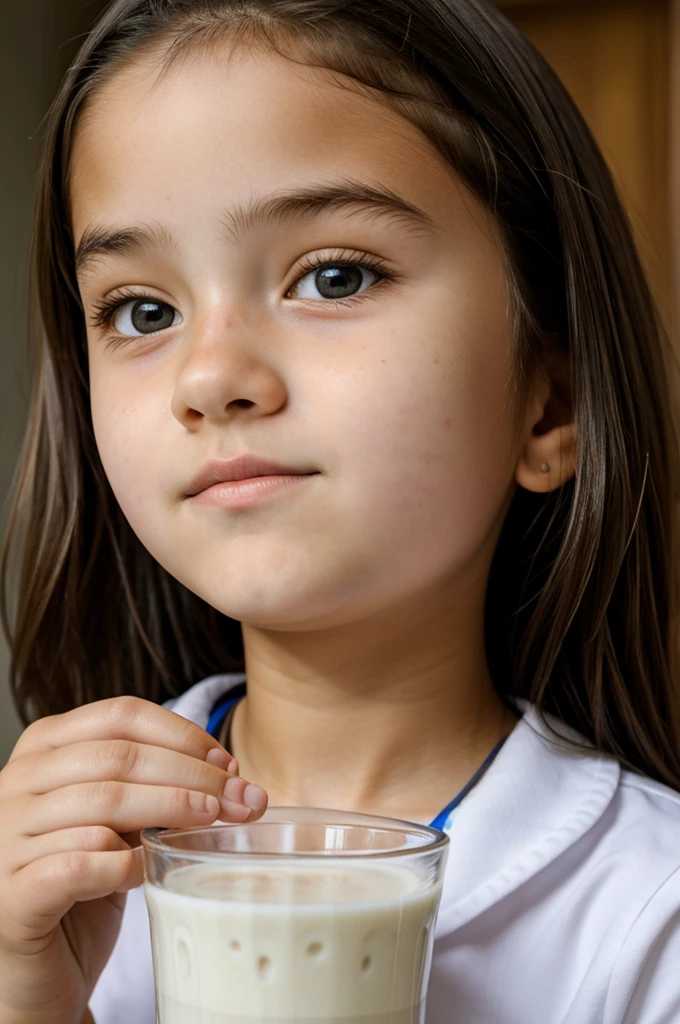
620 59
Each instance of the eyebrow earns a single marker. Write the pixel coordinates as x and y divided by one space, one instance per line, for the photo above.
99 242
282 208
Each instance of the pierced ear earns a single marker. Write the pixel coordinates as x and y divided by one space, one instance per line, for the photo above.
548 458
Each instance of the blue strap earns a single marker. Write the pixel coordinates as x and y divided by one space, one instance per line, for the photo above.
224 704
219 713
441 818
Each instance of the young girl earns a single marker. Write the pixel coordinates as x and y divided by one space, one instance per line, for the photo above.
366 259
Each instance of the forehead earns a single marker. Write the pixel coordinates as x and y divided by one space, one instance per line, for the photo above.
221 126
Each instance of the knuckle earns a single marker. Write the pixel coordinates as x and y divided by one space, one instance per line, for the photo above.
8 775
124 710
186 801
31 736
100 838
106 797
75 865
35 728
119 758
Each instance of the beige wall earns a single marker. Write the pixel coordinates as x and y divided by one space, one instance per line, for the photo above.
615 58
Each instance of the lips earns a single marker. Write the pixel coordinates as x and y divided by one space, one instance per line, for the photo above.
242 467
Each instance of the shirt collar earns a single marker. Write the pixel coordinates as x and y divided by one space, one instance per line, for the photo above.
197 702
535 801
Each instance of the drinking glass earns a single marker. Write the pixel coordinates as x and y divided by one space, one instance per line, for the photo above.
307 915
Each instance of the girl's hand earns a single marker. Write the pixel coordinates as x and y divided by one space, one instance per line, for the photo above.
74 796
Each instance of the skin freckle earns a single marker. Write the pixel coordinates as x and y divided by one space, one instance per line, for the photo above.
250 372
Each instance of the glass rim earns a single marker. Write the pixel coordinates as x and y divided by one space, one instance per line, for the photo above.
433 839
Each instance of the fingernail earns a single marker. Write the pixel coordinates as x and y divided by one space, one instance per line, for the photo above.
239 791
233 789
220 758
203 803
234 812
255 797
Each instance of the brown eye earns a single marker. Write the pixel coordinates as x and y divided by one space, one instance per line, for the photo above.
334 281
145 316
338 282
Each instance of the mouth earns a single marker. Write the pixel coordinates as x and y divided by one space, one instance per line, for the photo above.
233 495
247 467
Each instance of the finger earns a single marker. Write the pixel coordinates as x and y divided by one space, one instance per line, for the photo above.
223 759
51 885
121 806
233 768
117 760
136 874
124 807
127 718
238 792
92 838
231 812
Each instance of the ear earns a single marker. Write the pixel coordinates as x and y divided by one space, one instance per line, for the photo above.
548 456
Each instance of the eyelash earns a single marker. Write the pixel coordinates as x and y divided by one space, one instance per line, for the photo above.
104 312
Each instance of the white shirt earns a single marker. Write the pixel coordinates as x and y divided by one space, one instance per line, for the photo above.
561 900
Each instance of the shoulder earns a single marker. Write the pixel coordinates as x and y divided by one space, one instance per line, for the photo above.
639 817
622 877
645 983
642 851
643 793
645 819
624 847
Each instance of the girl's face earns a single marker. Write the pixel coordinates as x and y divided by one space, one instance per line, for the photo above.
397 395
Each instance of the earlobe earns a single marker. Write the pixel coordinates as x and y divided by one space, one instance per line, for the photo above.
548 460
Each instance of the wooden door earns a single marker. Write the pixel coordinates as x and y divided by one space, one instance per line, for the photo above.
615 58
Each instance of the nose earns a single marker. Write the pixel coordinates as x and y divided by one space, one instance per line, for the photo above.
222 371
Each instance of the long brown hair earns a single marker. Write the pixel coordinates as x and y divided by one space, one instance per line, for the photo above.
581 598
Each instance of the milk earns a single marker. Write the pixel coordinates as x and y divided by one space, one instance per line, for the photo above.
312 943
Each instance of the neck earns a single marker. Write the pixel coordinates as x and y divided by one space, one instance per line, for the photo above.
388 716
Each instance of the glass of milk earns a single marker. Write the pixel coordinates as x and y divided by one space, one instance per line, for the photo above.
307 916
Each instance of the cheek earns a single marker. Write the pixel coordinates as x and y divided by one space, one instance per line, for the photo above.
126 423
429 425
